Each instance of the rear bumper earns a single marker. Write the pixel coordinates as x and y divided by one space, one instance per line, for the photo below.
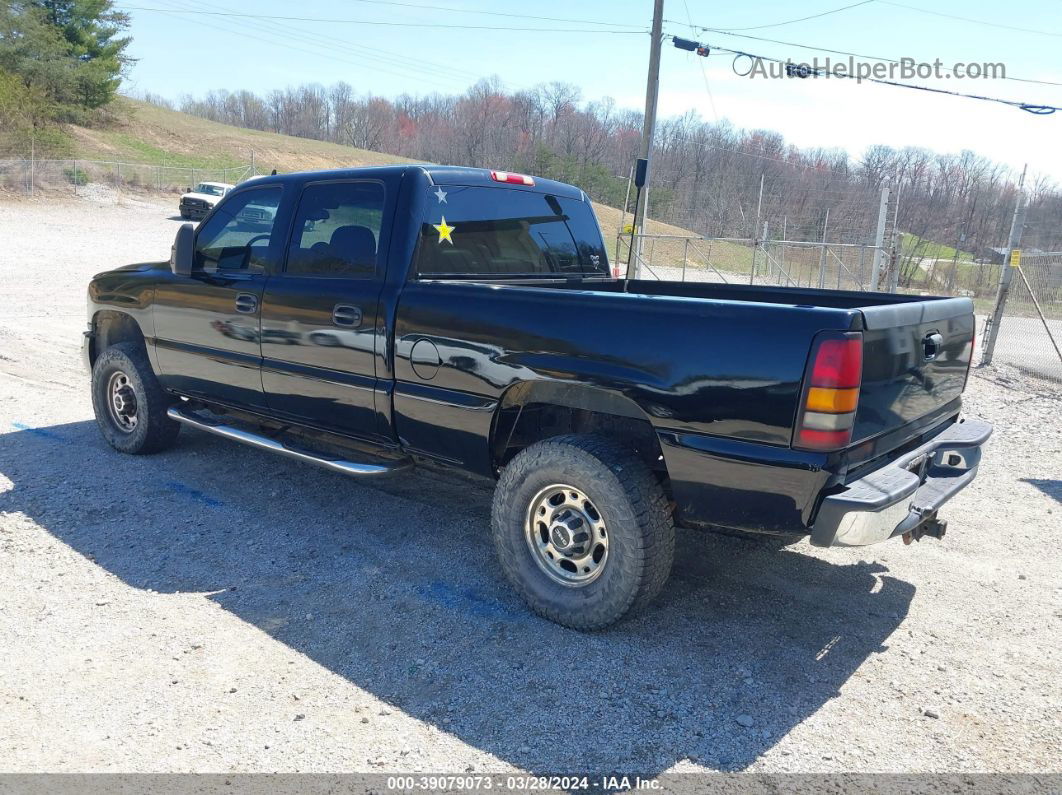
904 495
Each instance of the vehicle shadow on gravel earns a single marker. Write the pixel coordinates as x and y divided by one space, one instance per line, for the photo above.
1052 488
394 587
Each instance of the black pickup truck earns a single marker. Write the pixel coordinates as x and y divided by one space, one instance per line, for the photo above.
369 319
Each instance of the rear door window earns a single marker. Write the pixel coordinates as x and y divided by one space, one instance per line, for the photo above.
504 233
337 230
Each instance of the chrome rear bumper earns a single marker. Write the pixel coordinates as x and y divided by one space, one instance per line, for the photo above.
904 495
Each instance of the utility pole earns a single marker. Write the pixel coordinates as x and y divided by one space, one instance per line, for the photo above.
1017 225
652 90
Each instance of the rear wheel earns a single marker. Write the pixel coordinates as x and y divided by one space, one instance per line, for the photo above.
582 530
129 402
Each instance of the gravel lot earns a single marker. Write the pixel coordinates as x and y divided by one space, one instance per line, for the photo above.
217 609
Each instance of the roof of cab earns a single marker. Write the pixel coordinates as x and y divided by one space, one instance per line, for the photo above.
437 175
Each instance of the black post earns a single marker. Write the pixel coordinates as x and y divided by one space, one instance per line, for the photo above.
640 171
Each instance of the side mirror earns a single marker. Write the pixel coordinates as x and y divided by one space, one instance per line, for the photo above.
181 254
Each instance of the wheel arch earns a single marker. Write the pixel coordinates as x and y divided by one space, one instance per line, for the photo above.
110 327
531 411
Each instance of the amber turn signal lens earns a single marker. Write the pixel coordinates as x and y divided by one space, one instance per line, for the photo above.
832 401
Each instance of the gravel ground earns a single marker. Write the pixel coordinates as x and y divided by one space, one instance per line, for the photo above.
214 608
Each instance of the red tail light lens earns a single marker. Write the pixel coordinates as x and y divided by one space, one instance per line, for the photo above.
838 363
831 392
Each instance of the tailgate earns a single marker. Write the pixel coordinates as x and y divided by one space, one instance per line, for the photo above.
915 359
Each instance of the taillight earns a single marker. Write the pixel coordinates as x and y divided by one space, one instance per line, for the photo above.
831 392
511 178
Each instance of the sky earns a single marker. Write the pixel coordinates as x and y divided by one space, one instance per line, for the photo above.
420 47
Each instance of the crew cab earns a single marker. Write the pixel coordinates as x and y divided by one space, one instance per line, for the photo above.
379 318
201 199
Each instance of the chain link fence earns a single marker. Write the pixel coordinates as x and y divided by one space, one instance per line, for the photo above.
1030 331
99 178
732 260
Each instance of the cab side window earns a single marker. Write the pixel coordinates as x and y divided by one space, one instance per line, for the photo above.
238 237
337 230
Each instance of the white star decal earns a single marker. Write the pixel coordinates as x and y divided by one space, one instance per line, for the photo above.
440 194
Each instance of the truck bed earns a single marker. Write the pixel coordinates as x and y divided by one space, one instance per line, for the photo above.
902 391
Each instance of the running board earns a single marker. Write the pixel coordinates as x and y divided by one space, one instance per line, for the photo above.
273 446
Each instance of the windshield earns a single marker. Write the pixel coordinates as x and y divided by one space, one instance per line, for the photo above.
209 190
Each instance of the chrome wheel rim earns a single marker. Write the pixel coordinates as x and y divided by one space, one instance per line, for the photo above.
566 535
121 402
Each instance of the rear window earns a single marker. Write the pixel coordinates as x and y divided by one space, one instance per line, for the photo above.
505 233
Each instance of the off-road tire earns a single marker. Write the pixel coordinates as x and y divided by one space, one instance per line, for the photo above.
154 431
630 501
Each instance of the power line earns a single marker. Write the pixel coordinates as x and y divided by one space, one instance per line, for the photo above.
495 13
856 54
334 21
704 71
804 19
374 56
286 43
1030 107
997 25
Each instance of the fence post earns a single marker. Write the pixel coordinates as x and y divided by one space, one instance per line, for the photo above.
623 212
766 244
781 254
33 154
756 230
895 257
822 251
879 238
685 256
75 176
158 179
1017 225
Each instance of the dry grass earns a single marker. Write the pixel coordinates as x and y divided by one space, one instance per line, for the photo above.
148 134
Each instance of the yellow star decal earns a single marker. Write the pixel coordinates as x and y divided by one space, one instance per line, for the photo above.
444 230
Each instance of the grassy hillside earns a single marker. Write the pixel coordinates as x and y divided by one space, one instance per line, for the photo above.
143 133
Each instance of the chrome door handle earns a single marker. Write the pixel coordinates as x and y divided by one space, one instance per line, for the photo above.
346 315
246 303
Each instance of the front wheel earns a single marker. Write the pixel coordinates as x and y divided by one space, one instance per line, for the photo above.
582 530
129 402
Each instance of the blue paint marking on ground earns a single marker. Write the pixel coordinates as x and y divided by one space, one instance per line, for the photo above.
466 599
195 494
44 433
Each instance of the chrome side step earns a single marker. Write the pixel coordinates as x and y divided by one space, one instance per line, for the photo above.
273 446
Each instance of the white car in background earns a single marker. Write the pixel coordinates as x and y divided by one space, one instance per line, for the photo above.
202 198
